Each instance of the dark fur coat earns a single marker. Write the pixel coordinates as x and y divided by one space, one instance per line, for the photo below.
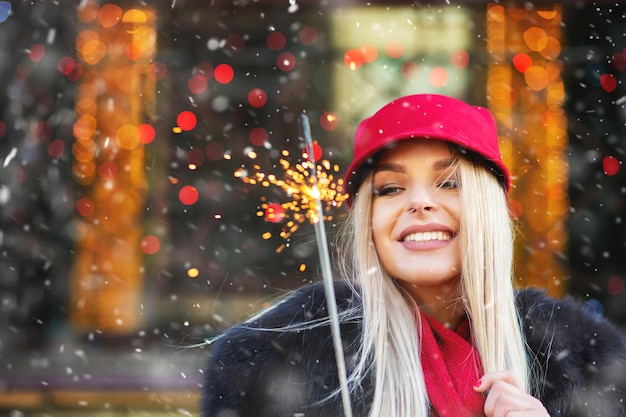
579 360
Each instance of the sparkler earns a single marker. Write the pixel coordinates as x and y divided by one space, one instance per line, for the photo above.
312 190
307 184
322 246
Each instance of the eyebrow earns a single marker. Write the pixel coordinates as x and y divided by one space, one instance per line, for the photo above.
439 165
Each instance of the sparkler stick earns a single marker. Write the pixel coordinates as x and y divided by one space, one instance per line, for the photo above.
322 247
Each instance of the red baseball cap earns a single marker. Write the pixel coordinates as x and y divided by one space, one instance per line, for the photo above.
430 116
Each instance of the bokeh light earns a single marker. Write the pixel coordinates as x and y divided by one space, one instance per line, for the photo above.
36 52
198 84
257 97
258 136
409 70
109 15
274 213
329 121
459 58
286 61
522 62
610 165
146 133
438 77
186 120
369 53
308 35
85 207
193 272
615 285
127 137
353 58
275 41
224 73
5 10
150 244
188 195
56 148
395 49
107 170
318 152
608 82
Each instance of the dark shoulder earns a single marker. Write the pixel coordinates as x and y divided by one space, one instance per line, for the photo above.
280 361
578 357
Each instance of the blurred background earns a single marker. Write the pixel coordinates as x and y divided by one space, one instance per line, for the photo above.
152 186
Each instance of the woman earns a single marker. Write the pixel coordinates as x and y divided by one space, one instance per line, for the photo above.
430 321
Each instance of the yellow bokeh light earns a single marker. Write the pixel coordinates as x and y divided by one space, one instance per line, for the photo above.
537 78
127 137
135 16
536 38
193 272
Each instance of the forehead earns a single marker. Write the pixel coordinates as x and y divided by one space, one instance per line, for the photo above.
422 148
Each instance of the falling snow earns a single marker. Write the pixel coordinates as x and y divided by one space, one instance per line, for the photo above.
223 92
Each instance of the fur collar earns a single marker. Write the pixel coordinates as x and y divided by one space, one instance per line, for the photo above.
258 369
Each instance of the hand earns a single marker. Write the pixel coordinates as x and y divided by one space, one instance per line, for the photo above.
507 398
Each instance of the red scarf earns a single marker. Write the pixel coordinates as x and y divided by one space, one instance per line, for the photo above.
451 367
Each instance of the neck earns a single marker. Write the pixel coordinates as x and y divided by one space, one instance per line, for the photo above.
443 303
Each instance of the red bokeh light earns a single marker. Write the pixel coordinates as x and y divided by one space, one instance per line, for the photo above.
224 73
394 49
274 213
195 156
146 133
186 120
66 65
36 52
438 77
258 136
188 195
459 58
619 61
329 121
214 151
308 35
610 165
257 97
409 70
198 84
317 151
369 53
286 61
150 244
56 148
522 62
353 58
276 41
615 285
107 170
608 82
85 207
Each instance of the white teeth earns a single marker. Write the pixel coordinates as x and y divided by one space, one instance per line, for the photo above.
427 236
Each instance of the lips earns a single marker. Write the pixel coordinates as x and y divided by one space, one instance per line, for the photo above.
426 233
427 236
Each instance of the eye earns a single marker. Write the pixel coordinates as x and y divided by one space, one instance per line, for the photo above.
449 183
388 189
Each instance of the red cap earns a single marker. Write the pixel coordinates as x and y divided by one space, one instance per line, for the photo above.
426 116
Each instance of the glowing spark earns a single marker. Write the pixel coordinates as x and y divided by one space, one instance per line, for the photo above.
301 188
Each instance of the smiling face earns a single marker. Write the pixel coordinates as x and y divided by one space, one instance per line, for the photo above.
415 217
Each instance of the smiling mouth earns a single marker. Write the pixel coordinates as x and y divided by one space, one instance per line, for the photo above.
427 236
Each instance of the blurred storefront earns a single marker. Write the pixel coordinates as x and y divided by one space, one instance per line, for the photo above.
145 145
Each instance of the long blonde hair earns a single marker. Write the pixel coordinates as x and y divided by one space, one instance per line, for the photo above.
390 345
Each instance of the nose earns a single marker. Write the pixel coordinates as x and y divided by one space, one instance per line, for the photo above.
421 201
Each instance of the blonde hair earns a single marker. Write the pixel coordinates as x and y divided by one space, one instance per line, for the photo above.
390 345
